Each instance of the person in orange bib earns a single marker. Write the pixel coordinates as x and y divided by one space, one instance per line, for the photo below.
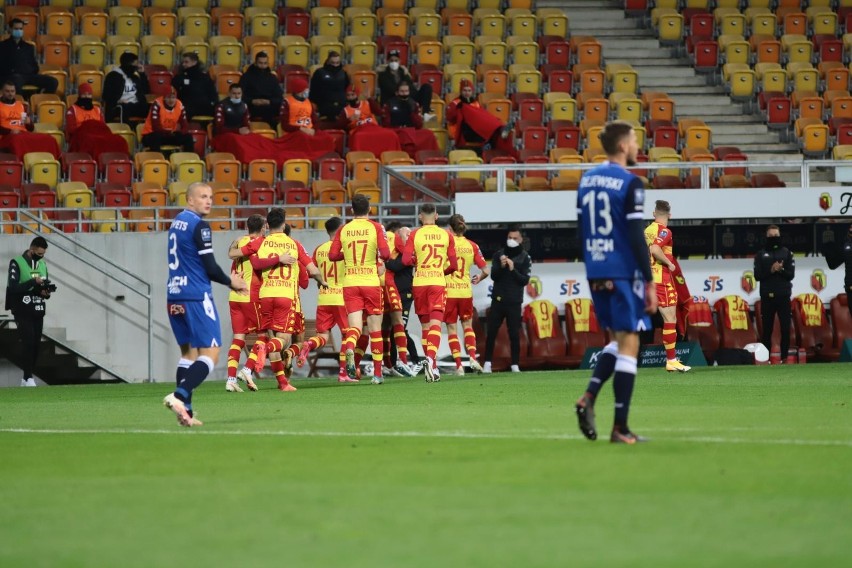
472 126
298 120
167 125
85 127
361 244
16 127
432 252
658 236
360 117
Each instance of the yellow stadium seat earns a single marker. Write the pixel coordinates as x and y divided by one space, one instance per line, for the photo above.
824 21
460 50
490 21
107 221
264 25
522 22
670 29
501 108
152 167
187 167
361 50
119 44
90 50
363 25
396 24
491 50
814 140
125 132
75 194
527 80
126 21
177 192
295 50
50 111
321 45
297 170
430 52
163 24
629 109
366 169
223 166
454 74
94 24
329 24
428 25
193 44
42 168
59 23
522 50
262 170
159 50
198 25
227 50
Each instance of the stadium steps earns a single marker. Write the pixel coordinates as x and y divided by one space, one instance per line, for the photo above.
58 361
662 69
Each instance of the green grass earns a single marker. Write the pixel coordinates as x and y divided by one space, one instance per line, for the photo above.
747 467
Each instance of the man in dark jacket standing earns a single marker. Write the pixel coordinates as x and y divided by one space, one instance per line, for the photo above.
124 91
18 62
328 88
837 254
27 288
195 89
775 268
261 90
510 271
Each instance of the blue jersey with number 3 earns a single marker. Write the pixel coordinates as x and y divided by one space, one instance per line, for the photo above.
190 237
609 197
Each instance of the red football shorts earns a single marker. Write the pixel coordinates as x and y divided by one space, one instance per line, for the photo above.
330 316
296 323
363 298
458 309
666 293
276 314
428 299
393 301
245 317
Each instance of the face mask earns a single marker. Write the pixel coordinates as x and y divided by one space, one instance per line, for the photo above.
405 98
36 257
467 99
512 243
17 34
773 242
86 104
129 69
334 65
8 100
353 103
394 65
236 101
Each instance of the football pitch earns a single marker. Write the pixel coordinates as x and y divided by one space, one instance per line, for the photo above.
747 466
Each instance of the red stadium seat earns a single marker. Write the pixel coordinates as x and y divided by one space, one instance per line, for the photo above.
116 167
812 328
332 169
247 187
11 170
731 335
283 187
702 328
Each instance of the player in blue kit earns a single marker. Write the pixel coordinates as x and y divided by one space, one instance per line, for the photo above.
192 313
610 203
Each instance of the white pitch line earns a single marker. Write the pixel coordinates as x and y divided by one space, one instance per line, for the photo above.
415 434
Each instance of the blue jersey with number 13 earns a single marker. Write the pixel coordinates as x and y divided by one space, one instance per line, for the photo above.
608 198
189 238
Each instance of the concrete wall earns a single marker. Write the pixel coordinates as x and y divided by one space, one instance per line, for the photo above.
107 320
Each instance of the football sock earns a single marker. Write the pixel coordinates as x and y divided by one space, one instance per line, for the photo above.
376 343
455 348
350 338
182 367
278 369
622 385
470 343
386 349
234 357
361 348
274 345
669 339
433 341
603 369
195 375
401 342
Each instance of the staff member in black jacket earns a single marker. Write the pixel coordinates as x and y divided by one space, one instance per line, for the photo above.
195 88
835 255
404 279
27 287
775 268
261 90
125 88
18 62
510 271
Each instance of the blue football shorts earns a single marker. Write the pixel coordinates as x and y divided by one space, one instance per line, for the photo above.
620 304
195 323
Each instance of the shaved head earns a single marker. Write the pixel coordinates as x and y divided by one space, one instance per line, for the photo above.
199 198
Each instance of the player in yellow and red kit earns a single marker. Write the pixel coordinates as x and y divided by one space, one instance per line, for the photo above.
277 261
330 309
245 310
394 324
432 252
658 237
361 245
460 295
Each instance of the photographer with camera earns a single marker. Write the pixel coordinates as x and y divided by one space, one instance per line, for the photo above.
27 288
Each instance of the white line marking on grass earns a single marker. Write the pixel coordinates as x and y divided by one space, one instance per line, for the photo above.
414 434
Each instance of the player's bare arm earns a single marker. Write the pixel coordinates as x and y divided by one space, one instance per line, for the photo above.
660 256
315 273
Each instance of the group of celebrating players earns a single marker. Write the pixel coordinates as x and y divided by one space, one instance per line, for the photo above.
357 272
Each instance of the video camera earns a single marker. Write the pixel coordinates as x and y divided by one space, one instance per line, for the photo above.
47 286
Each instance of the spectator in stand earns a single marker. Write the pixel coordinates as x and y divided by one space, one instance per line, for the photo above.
195 88
471 126
402 113
86 129
167 125
328 88
18 62
261 90
297 112
358 111
232 114
125 88
392 75
16 126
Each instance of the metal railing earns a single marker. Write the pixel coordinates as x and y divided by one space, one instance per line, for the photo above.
112 271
